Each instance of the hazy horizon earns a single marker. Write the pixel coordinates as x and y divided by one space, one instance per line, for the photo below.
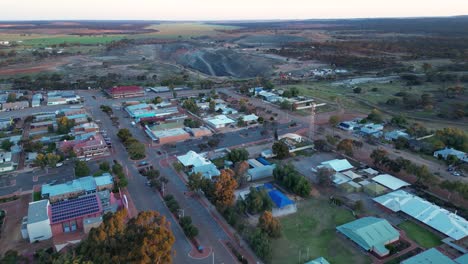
212 10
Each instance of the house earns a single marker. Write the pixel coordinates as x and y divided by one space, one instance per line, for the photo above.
196 163
291 136
371 233
430 256
444 153
250 118
15 105
219 121
390 181
395 134
270 97
267 153
207 170
260 172
77 187
126 91
38 223
372 130
338 165
5 123
436 217
62 97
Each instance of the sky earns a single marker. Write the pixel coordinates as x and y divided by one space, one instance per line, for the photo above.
224 9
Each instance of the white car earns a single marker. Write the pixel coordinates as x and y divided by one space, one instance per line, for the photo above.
60 164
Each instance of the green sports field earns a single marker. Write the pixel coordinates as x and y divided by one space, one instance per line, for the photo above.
420 235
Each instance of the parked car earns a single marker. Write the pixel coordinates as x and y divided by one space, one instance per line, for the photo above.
60 164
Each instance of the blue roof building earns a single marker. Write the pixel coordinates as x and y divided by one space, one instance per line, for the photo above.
207 171
80 186
279 199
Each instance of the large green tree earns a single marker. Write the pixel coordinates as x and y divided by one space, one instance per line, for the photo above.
280 149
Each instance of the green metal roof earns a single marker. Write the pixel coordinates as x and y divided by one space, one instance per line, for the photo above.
430 256
371 233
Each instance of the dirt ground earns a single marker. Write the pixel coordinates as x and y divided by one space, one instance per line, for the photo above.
11 229
49 65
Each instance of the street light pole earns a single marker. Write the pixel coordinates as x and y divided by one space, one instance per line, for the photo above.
213 257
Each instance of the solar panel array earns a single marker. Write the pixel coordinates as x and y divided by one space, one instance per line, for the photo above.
70 209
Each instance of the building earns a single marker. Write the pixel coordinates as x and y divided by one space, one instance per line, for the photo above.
169 135
430 256
199 132
260 172
319 260
7 166
436 217
38 223
390 181
348 125
395 134
5 156
62 97
85 128
444 153
126 91
196 163
36 100
371 233
5 123
68 216
372 130
219 121
142 111
291 136
93 146
15 105
338 165
270 97
77 187
374 189
250 118
207 170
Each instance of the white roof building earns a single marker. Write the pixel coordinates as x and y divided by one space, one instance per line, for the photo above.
219 121
292 136
337 165
390 181
428 213
370 171
395 134
38 224
193 159
352 175
250 118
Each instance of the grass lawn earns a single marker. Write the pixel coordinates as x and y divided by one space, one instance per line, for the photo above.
420 235
310 233
187 29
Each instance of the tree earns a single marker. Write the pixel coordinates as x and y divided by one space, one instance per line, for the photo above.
375 116
192 123
258 201
270 225
41 160
13 257
191 106
144 239
399 121
136 150
288 176
212 106
426 67
237 155
241 122
334 120
195 182
240 172
81 169
6 145
224 189
357 90
379 156
261 244
64 125
104 166
52 159
324 176
346 145
157 100
124 134
11 98
286 105
280 149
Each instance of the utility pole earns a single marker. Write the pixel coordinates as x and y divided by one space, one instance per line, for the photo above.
312 123
213 257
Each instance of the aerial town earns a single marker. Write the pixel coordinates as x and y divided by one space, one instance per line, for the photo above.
313 168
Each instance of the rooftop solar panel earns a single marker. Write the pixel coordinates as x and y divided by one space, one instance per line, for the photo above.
70 209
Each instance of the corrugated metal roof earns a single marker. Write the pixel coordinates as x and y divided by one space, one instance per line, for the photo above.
279 198
370 232
37 211
432 215
337 164
390 181
430 256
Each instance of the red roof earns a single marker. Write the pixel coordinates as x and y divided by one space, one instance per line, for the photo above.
125 89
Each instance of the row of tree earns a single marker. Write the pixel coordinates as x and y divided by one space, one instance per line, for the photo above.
135 148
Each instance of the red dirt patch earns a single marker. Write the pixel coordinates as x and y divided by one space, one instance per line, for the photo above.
28 68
